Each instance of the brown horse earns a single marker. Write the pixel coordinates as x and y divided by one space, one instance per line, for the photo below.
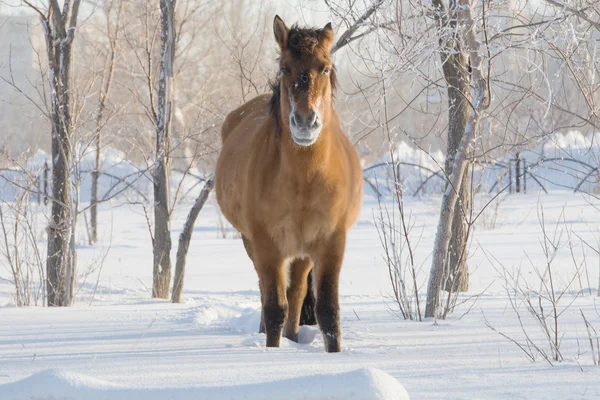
290 181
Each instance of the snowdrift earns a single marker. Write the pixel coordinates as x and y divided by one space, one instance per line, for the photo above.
366 383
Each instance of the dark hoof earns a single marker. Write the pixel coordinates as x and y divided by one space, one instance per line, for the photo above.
273 340
336 348
333 342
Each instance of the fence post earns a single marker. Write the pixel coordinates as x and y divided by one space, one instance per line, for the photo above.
518 172
38 187
524 176
46 169
509 176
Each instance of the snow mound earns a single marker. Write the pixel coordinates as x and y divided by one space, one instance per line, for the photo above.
365 383
247 322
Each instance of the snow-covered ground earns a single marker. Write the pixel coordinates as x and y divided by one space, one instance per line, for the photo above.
117 343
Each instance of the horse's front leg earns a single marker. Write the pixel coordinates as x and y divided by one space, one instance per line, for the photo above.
275 306
328 263
270 266
249 246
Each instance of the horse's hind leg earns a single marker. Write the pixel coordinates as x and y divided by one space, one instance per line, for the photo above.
299 269
328 263
269 265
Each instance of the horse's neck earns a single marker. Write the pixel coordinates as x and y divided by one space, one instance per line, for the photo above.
307 162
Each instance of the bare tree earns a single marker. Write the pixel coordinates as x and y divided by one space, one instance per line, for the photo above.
59 31
161 51
184 240
112 33
456 70
160 172
467 35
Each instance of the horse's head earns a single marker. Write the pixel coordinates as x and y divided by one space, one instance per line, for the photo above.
307 79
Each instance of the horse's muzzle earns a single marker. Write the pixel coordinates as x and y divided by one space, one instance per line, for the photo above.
305 129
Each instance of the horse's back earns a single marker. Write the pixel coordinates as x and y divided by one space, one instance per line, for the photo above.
250 113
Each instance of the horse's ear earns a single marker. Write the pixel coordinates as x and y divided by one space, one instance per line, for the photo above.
327 37
280 30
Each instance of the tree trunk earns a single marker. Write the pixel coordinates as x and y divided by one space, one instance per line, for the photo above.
105 86
184 240
46 173
59 229
96 171
94 196
58 233
440 270
162 231
71 276
458 271
456 69
59 33
162 212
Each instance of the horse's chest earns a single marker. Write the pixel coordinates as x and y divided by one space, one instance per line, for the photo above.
298 226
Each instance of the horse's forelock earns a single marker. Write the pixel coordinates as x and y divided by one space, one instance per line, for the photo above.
303 41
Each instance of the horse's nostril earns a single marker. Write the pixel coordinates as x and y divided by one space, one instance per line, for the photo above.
296 119
312 120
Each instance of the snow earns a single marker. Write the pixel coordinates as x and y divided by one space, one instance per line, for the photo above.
364 383
121 343
117 343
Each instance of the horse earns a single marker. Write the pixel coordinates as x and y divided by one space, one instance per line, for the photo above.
290 181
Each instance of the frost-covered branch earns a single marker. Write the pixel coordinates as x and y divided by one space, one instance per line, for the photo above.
349 35
185 237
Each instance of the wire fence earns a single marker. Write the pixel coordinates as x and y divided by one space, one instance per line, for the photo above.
514 175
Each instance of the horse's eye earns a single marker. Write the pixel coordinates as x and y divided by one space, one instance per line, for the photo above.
284 71
325 71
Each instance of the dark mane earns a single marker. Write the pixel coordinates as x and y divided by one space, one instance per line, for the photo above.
301 41
274 102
